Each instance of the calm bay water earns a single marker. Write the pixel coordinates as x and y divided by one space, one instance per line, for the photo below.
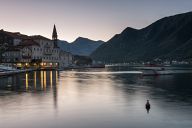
95 98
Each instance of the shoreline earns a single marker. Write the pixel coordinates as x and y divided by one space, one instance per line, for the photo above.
9 73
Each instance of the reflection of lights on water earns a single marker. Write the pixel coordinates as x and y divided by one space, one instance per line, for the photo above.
41 79
45 80
35 80
46 77
51 79
26 81
56 76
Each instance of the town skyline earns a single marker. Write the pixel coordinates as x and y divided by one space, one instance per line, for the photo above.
96 20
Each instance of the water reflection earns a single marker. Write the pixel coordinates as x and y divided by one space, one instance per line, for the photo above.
51 79
42 80
35 80
49 99
26 81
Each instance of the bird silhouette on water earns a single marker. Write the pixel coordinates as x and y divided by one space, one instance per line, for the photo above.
147 106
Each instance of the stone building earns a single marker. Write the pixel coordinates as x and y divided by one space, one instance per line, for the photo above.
33 51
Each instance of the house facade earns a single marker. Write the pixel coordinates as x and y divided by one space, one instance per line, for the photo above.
33 51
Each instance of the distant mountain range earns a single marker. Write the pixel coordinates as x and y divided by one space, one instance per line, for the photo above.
168 38
81 46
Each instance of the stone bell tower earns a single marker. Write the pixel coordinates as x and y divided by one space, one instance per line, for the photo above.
54 36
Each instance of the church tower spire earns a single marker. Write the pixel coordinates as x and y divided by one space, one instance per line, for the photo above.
54 36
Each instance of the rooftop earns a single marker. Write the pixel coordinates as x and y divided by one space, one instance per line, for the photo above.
39 37
17 35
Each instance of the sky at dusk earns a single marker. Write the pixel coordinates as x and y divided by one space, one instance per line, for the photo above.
94 19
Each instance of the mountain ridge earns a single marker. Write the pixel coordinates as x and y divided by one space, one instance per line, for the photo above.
158 40
81 46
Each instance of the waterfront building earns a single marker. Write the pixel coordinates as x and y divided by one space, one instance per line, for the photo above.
11 55
46 51
33 51
66 59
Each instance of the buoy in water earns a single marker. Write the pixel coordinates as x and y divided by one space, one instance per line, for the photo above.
147 106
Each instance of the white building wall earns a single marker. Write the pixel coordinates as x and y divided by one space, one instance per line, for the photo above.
46 51
36 52
66 59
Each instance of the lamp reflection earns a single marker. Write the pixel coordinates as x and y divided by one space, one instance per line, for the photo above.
57 75
45 80
51 79
26 81
41 79
35 80
55 89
